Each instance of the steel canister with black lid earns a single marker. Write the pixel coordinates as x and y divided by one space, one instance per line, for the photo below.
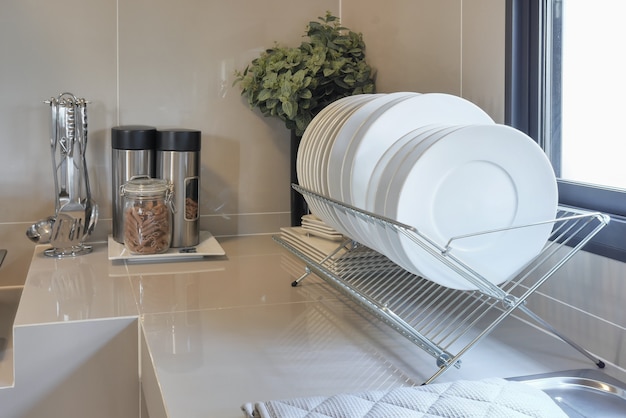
178 161
133 155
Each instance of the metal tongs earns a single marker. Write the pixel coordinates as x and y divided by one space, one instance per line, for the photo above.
76 213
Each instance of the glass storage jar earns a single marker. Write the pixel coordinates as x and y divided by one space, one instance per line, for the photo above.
147 215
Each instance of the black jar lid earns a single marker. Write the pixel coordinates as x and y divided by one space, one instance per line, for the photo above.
178 140
133 137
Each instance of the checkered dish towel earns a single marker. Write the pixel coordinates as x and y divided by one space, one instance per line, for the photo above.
488 398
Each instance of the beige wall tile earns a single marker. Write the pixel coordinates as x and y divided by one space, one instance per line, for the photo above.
47 49
171 64
483 46
413 45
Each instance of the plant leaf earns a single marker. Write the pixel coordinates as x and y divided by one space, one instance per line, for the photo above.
289 109
264 94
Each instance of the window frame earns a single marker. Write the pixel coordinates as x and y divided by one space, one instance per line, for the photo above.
529 101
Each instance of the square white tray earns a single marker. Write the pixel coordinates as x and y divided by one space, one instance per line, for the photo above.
208 246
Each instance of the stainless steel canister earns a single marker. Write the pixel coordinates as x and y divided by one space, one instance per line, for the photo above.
178 161
133 155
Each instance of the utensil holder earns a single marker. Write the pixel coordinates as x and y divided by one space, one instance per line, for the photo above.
76 213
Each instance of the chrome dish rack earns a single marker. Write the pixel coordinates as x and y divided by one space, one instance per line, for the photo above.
442 321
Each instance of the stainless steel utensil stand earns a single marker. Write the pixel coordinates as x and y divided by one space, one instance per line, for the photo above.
444 322
76 213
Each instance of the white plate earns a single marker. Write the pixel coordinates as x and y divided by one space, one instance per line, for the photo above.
335 236
308 143
208 246
384 173
385 162
350 226
311 136
315 247
382 129
307 148
331 131
344 136
337 113
320 140
475 179
333 127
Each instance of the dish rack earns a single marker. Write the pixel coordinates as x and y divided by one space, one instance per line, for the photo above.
444 322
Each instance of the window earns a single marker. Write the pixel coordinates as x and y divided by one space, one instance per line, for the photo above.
593 89
566 89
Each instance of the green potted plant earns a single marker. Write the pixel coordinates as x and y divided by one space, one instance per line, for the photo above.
295 83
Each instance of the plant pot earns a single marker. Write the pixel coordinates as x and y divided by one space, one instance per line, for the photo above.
298 204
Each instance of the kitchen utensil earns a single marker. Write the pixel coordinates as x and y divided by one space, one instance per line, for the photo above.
64 230
41 231
75 211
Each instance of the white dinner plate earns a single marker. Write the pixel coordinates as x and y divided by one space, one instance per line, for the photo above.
332 126
476 179
385 162
308 144
352 226
314 142
344 136
309 140
384 173
382 129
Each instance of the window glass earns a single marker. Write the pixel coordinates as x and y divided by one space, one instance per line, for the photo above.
593 96
565 87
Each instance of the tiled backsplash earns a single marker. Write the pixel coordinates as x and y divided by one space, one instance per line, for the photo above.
171 64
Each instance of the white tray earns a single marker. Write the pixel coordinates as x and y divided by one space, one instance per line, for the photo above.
208 246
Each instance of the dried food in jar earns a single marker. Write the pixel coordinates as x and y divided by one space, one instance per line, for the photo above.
147 216
147 227
191 209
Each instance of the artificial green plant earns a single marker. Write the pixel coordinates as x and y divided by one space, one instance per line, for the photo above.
295 83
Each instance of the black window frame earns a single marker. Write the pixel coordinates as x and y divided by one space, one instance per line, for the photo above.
525 109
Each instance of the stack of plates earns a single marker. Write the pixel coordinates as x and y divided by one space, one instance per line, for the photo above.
440 164
313 225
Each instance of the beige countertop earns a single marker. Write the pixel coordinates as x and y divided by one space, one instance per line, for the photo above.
220 331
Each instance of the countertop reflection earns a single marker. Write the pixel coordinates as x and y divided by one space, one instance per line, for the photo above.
222 331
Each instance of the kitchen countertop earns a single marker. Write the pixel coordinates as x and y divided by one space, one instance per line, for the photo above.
225 330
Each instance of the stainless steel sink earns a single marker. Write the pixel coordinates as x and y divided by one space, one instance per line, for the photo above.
582 393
